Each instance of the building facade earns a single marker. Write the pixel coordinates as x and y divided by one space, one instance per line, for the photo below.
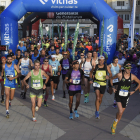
123 8
5 3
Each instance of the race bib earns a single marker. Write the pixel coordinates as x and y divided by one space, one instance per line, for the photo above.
66 67
115 80
76 82
123 93
9 75
53 67
86 72
36 85
96 85
44 77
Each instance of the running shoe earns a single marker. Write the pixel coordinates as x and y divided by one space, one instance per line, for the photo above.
24 95
53 97
97 116
36 108
7 114
76 114
71 116
45 103
113 128
114 105
10 103
21 95
2 101
34 119
86 100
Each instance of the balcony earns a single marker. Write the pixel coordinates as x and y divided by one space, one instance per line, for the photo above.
122 8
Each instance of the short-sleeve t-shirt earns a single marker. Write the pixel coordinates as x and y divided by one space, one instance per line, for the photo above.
76 77
54 65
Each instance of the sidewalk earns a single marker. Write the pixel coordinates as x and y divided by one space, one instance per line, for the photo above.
53 123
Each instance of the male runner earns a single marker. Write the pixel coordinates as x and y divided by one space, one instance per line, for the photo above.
100 76
26 65
48 70
74 77
56 69
123 91
65 64
10 71
88 64
114 68
36 89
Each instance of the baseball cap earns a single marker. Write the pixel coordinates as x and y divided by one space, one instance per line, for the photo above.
101 57
75 62
11 54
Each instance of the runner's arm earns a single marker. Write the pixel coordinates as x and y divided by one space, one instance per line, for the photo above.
134 78
19 63
91 72
2 72
119 75
120 68
109 71
50 68
27 77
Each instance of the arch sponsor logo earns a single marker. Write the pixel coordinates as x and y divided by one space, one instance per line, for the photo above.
110 28
60 1
6 34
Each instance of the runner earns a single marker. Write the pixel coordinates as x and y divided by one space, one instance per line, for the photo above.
56 69
42 56
100 76
74 78
65 64
3 60
26 65
48 70
88 64
82 57
123 91
114 68
37 86
95 57
10 71
35 55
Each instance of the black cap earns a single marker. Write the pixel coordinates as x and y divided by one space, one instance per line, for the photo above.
75 62
11 54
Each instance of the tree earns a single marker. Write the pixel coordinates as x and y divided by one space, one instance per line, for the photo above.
2 9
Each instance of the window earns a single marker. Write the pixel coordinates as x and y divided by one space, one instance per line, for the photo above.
136 30
120 3
137 17
121 16
138 2
126 17
3 3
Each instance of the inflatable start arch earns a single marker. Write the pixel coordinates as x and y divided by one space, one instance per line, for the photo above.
99 8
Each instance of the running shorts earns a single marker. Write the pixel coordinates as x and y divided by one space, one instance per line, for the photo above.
101 89
123 101
1 80
11 86
72 93
63 76
22 77
48 83
55 79
32 95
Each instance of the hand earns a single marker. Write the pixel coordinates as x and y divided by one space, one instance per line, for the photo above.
132 92
58 73
114 90
90 82
107 77
0 77
11 78
27 86
44 86
70 80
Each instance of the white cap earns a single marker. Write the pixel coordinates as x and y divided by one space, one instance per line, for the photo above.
53 56
101 57
38 43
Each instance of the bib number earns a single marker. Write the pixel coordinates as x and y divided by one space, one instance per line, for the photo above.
96 85
44 77
66 67
9 75
36 85
115 80
87 72
76 82
123 93
54 67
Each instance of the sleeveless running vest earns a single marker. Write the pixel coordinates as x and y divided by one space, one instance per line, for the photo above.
100 75
65 66
36 80
46 70
87 68
25 66
10 72
124 87
114 70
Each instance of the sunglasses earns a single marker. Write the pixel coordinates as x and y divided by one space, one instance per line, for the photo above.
82 55
46 61
65 54
128 67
